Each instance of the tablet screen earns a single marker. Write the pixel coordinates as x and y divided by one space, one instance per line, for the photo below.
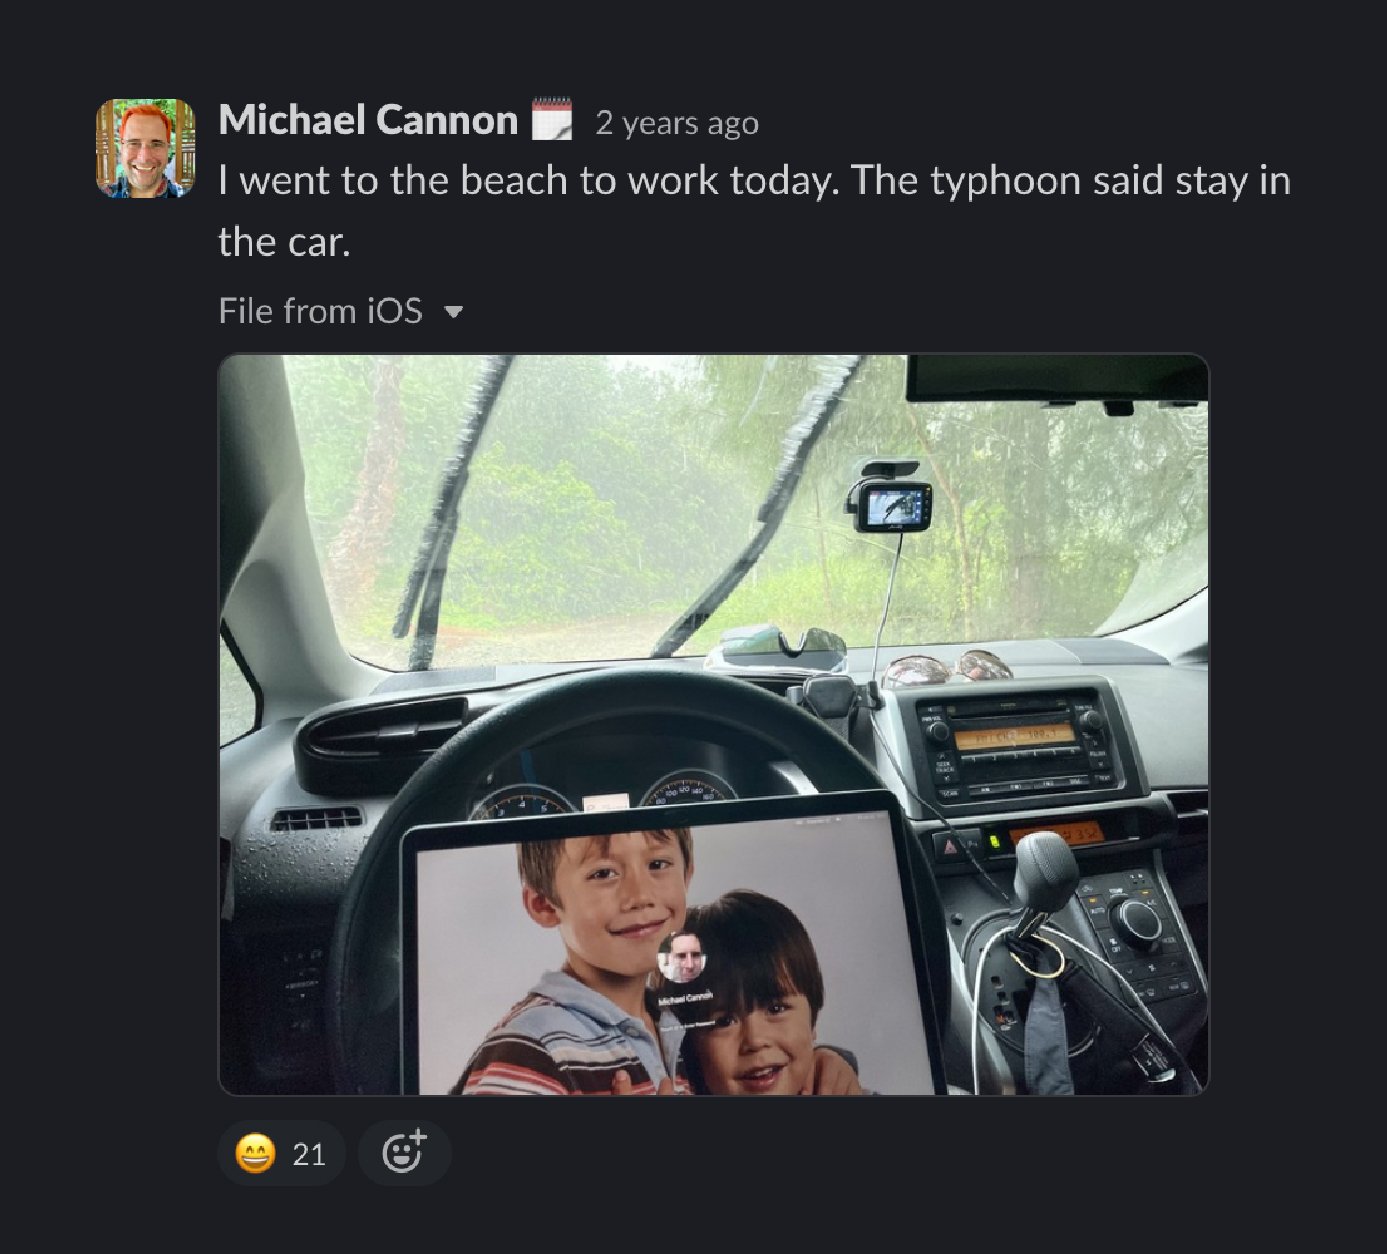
718 944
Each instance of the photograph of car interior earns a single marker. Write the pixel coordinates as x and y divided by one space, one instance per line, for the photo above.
977 581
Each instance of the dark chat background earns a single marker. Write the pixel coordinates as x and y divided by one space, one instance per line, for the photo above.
1246 286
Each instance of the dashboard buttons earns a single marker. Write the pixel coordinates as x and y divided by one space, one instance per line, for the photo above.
945 768
953 846
1095 905
1137 924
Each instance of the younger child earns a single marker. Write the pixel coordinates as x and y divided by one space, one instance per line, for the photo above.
593 1027
755 1034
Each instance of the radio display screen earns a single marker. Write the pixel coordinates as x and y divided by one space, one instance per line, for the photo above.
1084 832
972 739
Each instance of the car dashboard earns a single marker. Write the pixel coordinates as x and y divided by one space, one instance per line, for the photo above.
1103 741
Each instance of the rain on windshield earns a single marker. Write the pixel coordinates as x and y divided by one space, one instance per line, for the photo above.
567 508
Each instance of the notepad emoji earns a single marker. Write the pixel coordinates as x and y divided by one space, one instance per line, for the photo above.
551 117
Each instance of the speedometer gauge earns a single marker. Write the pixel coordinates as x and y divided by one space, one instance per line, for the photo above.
679 787
516 801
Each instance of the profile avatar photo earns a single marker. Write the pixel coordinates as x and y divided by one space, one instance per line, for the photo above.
681 957
145 149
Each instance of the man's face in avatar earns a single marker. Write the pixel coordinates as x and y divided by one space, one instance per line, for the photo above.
144 150
685 959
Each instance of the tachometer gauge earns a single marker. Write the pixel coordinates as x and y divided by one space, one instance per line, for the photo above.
680 787
516 801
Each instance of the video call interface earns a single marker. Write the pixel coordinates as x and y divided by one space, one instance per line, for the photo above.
799 910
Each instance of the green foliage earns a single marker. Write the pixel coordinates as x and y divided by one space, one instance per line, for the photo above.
535 549
168 107
613 488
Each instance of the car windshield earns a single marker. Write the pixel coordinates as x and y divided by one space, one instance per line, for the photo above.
574 508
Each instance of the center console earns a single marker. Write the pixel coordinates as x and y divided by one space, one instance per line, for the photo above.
985 764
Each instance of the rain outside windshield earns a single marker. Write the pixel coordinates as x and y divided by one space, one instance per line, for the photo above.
602 497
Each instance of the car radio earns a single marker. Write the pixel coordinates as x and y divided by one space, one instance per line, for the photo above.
996 745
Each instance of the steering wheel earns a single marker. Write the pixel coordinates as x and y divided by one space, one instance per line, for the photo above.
363 972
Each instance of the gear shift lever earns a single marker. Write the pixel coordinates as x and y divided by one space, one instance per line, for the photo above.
1046 877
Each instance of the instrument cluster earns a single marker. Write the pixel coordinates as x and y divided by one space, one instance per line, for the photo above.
678 787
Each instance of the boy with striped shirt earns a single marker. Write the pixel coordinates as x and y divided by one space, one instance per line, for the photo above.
593 1026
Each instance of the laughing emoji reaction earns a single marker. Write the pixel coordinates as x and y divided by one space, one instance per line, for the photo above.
255 1152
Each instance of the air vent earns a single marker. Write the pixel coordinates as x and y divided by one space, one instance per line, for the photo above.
315 817
373 745
1191 810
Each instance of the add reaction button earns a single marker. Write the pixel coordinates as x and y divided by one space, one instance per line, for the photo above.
405 1151
282 1151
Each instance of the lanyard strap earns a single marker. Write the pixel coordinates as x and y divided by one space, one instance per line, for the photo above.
1046 1038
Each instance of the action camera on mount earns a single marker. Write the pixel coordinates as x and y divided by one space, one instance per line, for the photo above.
883 500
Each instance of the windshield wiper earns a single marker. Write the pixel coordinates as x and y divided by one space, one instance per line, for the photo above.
424 587
815 411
